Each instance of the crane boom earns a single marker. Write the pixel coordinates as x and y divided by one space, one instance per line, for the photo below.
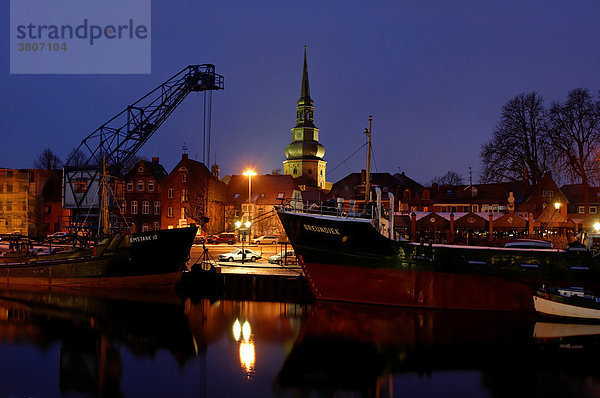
120 138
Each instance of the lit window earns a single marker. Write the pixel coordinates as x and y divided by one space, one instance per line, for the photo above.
184 197
280 195
581 210
151 185
129 186
145 207
157 207
184 212
140 185
144 227
170 193
170 212
134 207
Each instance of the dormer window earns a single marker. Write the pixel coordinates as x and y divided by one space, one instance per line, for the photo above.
140 169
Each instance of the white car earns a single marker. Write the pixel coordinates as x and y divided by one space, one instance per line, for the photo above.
236 255
265 240
285 256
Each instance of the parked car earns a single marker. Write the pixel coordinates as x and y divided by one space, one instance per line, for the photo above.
285 256
199 239
211 239
236 255
57 236
226 237
265 240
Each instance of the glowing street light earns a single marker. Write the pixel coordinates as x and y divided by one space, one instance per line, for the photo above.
249 173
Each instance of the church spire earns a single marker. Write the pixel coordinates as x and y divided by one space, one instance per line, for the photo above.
305 93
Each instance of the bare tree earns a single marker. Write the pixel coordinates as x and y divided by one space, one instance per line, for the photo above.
47 160
76 158
574 134
518 150
451 178
276 172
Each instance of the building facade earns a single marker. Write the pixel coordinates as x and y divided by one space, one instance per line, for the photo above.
142 205
192 194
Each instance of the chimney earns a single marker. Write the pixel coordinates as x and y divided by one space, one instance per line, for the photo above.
155 160
184 156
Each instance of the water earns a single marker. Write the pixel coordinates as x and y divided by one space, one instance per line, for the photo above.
55 345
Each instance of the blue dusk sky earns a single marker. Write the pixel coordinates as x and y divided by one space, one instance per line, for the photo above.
434 75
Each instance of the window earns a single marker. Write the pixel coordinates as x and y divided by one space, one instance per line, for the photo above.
262 195
550 194
145 207
124 207
130 187
155 226
544 205
184 195
280 195
183 177
593 210
141 169
151 185
170 212
475 208
309 171
184 212
170 193
134 207
581 210
9 188
144 227
140 185
80 186
157 207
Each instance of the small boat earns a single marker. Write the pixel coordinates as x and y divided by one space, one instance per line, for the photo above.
528 244
574 302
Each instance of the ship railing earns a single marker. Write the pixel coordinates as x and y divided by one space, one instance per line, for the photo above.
329 208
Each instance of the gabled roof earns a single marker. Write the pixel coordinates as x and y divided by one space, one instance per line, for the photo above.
156 169
575 193
485 193
347 186
406 182
265 189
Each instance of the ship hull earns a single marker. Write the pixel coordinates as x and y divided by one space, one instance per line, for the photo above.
149 260
348 260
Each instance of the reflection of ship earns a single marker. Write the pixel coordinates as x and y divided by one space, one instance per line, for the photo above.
346 258
150 259
366 348
92 334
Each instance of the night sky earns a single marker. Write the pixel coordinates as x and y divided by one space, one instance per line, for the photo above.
434 75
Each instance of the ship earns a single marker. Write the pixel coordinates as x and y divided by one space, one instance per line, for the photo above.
345 257
149 260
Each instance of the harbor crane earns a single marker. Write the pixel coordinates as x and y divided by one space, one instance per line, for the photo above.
116 142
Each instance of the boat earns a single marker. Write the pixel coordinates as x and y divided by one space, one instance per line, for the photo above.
146 260
349 255
574 302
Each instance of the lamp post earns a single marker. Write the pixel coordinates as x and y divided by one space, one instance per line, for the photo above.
238 225
249 173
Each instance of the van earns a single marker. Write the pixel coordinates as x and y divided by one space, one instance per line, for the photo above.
226 237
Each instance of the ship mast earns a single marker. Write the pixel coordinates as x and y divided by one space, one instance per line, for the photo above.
368 133
104 204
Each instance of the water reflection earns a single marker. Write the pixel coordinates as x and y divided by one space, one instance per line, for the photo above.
107 347
354 350
87 346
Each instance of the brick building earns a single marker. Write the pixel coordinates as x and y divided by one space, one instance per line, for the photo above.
142 205
192 194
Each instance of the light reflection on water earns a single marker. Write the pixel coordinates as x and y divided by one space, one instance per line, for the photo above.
84 346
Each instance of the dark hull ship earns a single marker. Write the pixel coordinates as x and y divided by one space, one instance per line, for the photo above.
147 260
346 258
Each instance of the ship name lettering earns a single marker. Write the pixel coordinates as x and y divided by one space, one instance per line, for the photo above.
324 230
139 239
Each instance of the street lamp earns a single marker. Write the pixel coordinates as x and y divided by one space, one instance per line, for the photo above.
249 173
238 226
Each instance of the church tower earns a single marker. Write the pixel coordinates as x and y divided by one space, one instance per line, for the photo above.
304 156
